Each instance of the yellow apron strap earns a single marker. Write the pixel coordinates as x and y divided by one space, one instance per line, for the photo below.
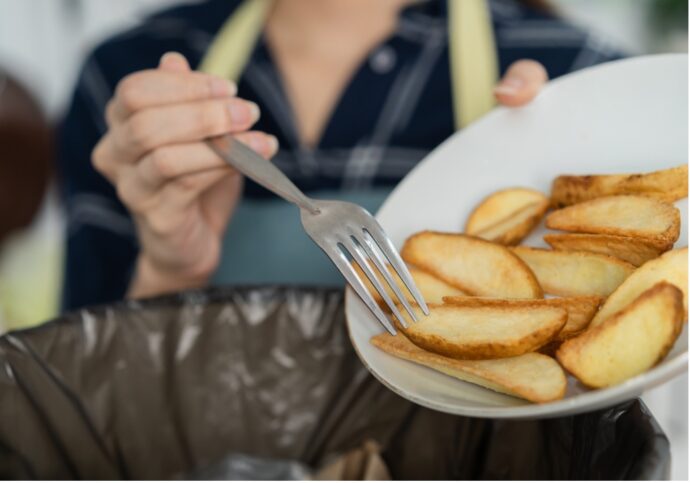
473 60
230 50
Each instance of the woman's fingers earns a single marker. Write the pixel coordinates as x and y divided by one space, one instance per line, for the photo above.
179 165
170 162
264 144
521 83
154 152
183 190
144 196
105 160
178 195
182 123
175 161
158 87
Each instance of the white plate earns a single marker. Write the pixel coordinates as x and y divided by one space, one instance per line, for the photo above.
625 116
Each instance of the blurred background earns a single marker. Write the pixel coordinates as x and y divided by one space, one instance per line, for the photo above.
42 46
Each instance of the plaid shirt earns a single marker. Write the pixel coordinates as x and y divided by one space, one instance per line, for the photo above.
395 110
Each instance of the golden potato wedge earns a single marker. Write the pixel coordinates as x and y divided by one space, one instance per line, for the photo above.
500 205
667 185
628 343
517 226
671 267
473 265
507 216
630 249
634 216
433 290
534 377
580 309
575 273
484 332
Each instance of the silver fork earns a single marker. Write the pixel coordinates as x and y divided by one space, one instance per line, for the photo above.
338 228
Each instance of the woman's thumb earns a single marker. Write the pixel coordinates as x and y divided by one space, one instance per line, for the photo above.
521 83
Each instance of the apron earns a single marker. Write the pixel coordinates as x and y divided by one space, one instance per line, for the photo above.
265 242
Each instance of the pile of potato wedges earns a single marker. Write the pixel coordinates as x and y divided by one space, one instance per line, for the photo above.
605 303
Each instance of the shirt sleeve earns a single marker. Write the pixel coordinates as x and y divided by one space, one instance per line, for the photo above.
101 244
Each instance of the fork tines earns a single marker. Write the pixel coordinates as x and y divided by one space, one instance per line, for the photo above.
372 245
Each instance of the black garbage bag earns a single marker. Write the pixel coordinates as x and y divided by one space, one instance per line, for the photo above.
168 387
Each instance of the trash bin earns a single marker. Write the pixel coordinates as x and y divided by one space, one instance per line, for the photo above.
173 387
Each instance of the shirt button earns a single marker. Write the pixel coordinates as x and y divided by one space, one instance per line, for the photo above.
383 60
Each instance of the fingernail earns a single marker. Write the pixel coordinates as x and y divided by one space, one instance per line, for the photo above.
244 112
222 87
263 144
509 86
272 143
255 111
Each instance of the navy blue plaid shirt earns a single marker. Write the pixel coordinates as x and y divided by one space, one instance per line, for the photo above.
372 139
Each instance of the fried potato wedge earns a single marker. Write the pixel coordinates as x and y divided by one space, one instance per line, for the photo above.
634 216
534 377
500 205
507 216
628 343
484 332
517 226
580 309
433 290
575 273
473 265
667 185
630 249
671 267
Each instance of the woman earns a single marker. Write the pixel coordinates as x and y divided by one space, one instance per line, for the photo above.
355 92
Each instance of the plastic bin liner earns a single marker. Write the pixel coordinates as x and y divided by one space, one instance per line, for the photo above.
167 387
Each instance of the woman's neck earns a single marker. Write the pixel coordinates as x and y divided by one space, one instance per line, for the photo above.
318 45
313 21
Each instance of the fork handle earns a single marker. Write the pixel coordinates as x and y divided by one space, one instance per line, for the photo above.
260 170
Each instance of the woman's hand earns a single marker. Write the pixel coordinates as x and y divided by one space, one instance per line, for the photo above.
179 192
521 83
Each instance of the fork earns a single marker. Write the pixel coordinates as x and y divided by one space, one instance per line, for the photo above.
339 228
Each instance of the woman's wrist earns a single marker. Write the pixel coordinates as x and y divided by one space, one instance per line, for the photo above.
149 280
